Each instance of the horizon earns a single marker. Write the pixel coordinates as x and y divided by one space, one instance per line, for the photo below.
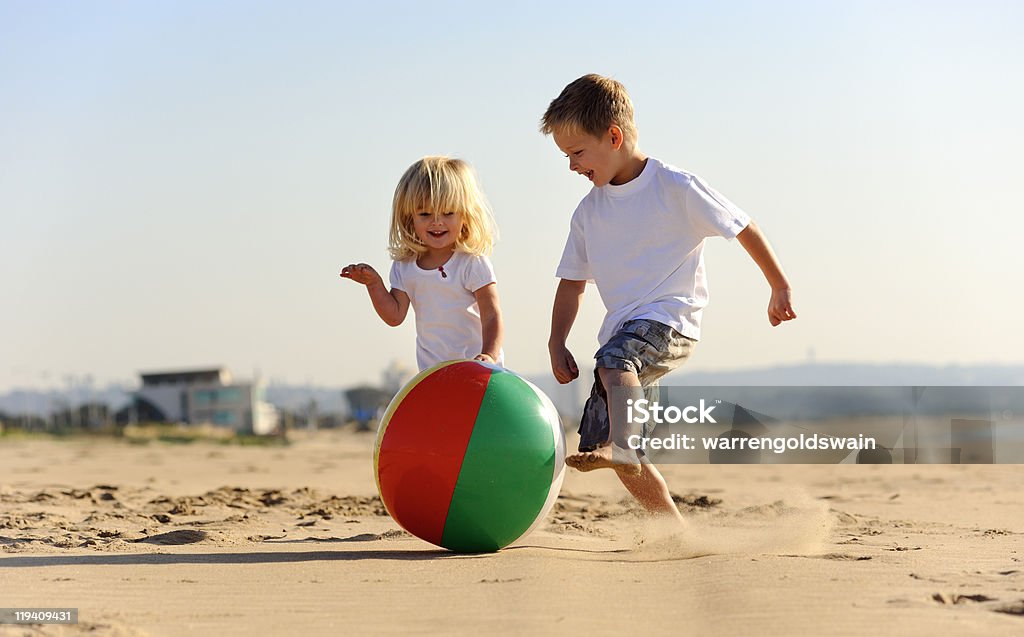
86 381
569 398
331 401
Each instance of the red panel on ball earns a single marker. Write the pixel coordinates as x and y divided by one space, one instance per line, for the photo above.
421 453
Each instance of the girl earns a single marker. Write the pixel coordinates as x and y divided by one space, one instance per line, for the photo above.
441 234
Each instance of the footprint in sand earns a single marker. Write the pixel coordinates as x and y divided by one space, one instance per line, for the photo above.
184 536
1015 608
957 598
372 537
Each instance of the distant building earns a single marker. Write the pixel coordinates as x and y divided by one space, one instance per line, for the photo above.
204 396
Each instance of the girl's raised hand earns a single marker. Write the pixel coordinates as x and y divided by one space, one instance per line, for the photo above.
361 273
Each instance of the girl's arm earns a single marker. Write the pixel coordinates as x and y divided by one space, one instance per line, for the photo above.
391 306
490 322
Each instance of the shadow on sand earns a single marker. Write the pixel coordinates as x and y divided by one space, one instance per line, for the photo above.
158 559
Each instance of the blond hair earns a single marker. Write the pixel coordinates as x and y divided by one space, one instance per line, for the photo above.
590 105
440 184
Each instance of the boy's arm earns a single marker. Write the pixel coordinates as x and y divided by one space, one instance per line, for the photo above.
563 315
780 305
492 327
391 306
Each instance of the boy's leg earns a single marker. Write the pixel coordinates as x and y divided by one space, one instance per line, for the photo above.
642 479
650 490
612 388
651 350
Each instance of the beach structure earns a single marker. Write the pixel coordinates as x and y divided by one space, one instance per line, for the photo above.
204 396
366 404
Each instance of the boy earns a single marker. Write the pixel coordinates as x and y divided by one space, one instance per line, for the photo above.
639 235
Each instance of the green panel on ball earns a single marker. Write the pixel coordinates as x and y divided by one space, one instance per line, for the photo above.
507 470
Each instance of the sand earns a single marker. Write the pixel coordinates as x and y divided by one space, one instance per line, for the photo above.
208 539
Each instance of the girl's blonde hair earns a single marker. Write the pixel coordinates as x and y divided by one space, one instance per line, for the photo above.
440 184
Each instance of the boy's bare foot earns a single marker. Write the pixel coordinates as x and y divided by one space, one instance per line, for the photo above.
602 458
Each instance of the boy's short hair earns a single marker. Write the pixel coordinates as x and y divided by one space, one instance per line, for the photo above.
590 105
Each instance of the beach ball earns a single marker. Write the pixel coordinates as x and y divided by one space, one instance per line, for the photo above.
469 456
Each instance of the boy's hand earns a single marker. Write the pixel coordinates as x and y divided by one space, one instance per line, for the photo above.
780 306
485 358
563 365
361 273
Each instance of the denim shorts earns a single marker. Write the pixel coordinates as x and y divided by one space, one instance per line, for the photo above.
647 348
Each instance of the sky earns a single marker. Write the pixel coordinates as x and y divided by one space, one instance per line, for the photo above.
181 182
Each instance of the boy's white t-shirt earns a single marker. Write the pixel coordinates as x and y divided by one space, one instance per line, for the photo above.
642 243
447 317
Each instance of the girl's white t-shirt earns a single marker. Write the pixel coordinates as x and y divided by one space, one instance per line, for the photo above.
447 316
